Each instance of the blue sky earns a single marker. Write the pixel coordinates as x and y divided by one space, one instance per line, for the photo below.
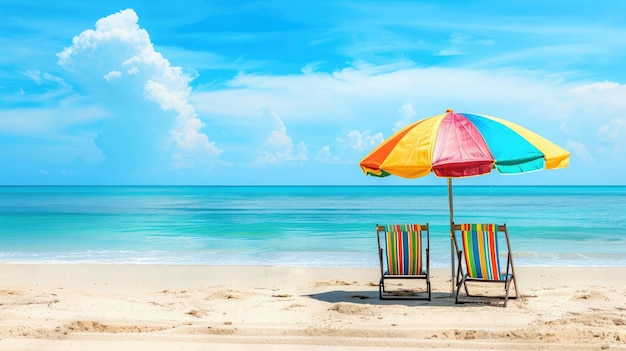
294 92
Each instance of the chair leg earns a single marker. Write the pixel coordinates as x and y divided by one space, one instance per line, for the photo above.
458 289
517 295
507 285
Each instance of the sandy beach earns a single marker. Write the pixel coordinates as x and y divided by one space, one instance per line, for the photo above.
169 307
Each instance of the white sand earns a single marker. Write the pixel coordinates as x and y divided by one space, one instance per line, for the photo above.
153 307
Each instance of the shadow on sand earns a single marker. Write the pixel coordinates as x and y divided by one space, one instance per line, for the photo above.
371 298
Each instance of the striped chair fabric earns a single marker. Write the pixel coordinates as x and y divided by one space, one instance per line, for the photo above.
404 249
480 246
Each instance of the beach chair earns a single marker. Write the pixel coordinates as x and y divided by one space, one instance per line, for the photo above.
479 260
402 251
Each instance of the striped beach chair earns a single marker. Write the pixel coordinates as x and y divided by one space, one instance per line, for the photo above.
403 254
479 259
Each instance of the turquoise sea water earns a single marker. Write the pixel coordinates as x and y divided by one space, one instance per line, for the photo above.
299 226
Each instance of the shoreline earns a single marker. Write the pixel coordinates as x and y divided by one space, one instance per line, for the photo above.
141 264
215 307
267 225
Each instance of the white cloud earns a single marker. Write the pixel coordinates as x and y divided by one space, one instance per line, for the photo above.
368 95
133 73
278 148
408 115
361 141
112 75
590 106
361 102
604 92
53 87
580 150
598 107
614 133
323 154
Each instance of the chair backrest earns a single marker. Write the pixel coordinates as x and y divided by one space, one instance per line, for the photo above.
480 249
403 248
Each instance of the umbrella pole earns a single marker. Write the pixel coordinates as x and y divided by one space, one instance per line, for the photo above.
452 243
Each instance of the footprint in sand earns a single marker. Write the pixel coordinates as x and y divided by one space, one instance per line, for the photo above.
350 309
282 295
590 295
9 292
196 313
178 294
93 326
225 295
332 283
294 306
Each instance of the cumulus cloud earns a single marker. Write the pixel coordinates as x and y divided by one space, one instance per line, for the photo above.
599 106
361 141
324 154
278 148
580 150
147 97
614 133
605 94
112 75
593 105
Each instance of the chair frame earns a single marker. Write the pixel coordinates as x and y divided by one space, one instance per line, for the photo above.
383 292
463 278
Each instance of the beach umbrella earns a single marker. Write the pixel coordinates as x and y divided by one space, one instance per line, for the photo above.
458 145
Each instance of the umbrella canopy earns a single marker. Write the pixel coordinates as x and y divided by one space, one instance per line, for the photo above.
457 145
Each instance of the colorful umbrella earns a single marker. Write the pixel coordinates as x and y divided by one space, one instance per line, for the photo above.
457 145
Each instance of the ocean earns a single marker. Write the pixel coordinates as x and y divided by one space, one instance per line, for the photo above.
307 226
